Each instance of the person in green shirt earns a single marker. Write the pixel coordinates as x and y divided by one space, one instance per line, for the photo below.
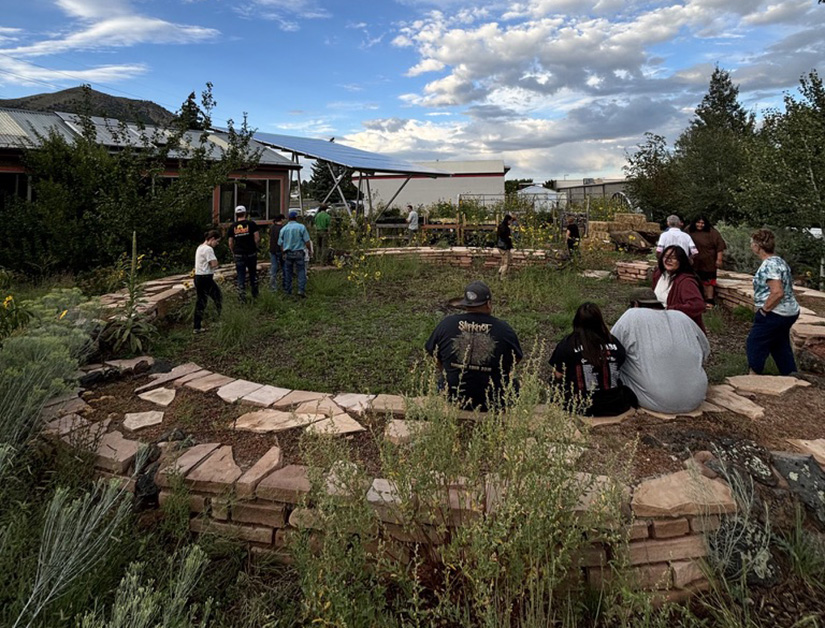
322 220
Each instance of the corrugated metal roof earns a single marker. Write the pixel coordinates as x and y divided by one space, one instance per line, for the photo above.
354 158
20 128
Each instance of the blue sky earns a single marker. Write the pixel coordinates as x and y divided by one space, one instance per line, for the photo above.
552 87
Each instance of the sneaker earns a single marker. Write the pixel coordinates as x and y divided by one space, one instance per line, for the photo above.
199 331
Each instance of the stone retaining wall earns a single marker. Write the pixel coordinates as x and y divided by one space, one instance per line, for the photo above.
474 257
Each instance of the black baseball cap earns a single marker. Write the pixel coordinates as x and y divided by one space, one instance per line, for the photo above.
476 294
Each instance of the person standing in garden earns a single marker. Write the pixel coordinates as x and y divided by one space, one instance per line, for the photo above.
294 240
243 238
504 242
412 224
276 254
708 260
573 236
205 286
476 351
777 308
675 235
322 222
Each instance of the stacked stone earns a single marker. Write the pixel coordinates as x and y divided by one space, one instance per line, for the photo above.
635 272
469 257
732 293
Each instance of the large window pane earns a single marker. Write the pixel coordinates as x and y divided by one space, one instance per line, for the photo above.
252 195
227 213
274 198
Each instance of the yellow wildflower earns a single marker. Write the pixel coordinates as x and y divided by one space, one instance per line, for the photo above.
62 315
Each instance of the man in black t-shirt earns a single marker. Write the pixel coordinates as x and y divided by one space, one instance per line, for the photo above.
573 236
476 351
243 237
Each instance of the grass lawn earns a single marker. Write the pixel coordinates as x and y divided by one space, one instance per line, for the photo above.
350 338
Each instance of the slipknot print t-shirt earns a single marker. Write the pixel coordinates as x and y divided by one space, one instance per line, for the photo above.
477 351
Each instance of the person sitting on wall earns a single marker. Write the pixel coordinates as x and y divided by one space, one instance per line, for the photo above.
665 353
676 285
588 361
475 350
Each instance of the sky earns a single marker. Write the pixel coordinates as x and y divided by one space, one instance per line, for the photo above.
557 89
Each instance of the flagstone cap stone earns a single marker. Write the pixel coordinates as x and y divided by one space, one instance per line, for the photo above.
400 432
664 416
86 436
132 365
159 379
248 482
288 484
323 405
384 498
115 453
393 404
724 396
297 397
208 382
235 390
354 402
216 474
765 384
184 463
339 424
266 421
66 424
180 381
265 396
71 405
815 448
134 421
682 493
161 396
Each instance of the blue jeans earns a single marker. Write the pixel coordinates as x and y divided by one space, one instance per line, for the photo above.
247 263
276 266
771 335
294 264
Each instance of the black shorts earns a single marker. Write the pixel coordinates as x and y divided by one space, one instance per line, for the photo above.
708 277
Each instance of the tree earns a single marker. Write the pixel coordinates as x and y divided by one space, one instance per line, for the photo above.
712 154
190 116
786 185
322 182
652 179
514 185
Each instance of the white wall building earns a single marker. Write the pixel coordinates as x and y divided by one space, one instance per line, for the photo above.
469 177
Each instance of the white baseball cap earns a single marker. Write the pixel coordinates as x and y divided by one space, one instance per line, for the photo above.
240 209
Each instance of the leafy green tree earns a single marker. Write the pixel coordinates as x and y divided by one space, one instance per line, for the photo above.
786 185
514 185
322 181
190 116
712 154
652 178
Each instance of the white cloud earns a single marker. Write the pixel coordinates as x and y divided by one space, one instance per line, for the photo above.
287 13
94 9
425 65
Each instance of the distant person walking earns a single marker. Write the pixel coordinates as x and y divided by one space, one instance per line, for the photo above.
412 224
205 286
504 242
276 254
573 236
711 249
322 222
675 235
294 239
243 238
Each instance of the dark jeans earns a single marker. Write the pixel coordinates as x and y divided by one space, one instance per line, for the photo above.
276 266
294 264
247 263
321 254
206 288
771 335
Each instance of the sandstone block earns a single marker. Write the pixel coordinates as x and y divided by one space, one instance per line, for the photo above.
392 404
209 382
339 424
133 365
66 424
134 421
686 571
668 528
305 519
289 484
216 474
115 453
400 432
323 405
265 396
253 534
383 496
267 513
220 509
161 396
648 577
297 397
354 402
233 391
180 381
184 463
248 482
815 448
160 379
708 523
643 552
725 397
682 493
639 529
765 384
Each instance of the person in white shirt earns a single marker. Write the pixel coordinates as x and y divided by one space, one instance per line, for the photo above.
412 223
675 236
205 286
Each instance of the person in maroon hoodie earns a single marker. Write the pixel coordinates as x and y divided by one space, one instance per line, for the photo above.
677 286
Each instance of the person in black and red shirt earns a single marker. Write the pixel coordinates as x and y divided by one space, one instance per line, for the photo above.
587 363
476 351
243 238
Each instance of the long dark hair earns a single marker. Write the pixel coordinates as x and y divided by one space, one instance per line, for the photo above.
684 261
702 217
590 332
